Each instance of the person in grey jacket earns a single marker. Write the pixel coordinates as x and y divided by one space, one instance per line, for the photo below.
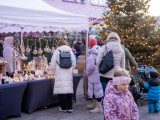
128 58
9 55
112 44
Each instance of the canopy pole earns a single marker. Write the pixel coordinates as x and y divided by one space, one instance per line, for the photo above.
22 36
84 73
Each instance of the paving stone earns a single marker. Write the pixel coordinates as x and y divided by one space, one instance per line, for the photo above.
80 111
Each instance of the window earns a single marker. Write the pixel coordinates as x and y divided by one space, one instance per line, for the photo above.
80 1
99 2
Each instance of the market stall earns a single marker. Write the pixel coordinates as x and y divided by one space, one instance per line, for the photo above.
36 15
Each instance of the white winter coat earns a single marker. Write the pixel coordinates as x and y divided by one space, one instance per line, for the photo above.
63 77
118 54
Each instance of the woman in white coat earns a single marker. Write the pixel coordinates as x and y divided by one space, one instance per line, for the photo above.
112 43
9 55
63 85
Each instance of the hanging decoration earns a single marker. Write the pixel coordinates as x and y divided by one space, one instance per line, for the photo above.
40 49
35 51
47 49
28 49
53 49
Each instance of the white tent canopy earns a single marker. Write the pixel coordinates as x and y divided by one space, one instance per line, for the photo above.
36 15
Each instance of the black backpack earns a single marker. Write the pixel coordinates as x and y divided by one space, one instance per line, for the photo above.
65 60
107 63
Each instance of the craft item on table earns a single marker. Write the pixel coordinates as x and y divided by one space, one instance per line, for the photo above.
39 73
32 76
26 77
75 71
20 78
4 80
16 79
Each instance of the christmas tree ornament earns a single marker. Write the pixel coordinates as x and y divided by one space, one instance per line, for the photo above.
40 50
28 49
35 51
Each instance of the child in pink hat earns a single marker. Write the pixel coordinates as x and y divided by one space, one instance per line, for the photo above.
118 102
95 90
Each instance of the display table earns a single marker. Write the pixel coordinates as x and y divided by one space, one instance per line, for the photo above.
39 93
3 68
11 98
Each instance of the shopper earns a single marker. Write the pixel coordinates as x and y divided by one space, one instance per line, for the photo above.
63 85
100 43
95 90
112 44
128 58
78 47
118 102
9 55
153 86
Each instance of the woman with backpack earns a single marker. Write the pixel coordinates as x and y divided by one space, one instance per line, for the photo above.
112 44
63 61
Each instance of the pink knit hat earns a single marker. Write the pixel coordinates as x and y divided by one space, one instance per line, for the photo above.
92 42
121 80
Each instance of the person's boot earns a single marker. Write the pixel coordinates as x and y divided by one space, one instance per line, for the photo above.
98 108
93 105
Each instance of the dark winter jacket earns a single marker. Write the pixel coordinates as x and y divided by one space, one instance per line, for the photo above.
153 86
79 48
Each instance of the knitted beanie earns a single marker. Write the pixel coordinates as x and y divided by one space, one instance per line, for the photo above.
92 42
153 74
121 80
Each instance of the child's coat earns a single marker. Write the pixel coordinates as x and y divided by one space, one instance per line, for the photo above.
119 105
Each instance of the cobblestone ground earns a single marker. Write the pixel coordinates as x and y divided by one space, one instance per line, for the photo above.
80 111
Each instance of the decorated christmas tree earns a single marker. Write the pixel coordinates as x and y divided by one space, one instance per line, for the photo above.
130 19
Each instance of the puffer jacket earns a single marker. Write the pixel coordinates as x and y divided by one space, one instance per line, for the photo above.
118 54
93 73
153 86
63 77
119 105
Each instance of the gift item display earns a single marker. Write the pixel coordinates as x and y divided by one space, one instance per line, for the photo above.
38 68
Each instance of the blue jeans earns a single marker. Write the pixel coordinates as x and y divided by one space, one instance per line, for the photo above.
104 82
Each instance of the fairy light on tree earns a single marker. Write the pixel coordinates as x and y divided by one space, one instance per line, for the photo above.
131 21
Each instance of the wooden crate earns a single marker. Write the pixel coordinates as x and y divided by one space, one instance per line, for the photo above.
3 68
